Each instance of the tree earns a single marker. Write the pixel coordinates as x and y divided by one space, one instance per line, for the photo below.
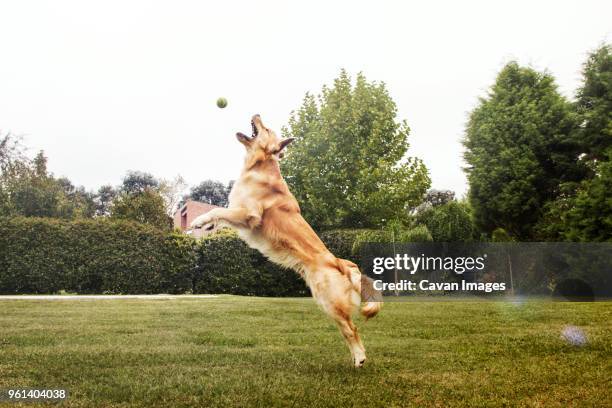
14 166
104 199
435 198
75 202
146 207
582 211
519 149
590 217
594 104
347 165
449 222
11 152
34 192
439 197
139 199
211 192
138 182
172 192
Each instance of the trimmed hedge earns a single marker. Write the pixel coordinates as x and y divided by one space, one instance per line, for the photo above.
44 255
420 233
340 241
225 264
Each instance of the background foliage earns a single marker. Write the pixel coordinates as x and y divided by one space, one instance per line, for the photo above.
519 149
582 211
449 222
539 165
211 192
539 169
347 165
42 255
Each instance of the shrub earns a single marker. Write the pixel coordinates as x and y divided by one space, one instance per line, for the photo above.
450 222
501 235
274 280
44 255
222 266
575 290
225 264
340 241
420 233
41 255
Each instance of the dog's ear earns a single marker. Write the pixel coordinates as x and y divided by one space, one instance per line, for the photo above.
244 139
284 143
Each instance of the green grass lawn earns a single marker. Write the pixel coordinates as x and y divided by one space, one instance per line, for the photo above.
238 351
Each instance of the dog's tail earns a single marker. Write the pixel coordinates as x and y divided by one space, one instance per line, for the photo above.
364 286
372 297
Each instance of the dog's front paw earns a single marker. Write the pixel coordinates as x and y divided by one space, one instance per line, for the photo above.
209 228
201 221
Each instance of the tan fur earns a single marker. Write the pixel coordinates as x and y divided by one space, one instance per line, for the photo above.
267 216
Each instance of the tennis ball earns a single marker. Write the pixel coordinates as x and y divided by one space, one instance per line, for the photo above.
221 103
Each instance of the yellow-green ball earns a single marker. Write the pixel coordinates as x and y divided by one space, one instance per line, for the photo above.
221 103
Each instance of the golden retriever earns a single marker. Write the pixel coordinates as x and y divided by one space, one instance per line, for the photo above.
267 216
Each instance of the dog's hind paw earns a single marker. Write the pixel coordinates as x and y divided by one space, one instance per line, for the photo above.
359 362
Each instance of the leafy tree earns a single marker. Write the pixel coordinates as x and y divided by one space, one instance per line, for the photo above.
32 191
450 222
582 211
172 191
13 167
590 217
211 192
347 166
146 207
142 198
435 198
138 182
519 148
420 233
104 199
439 197
594 104
75 202
390 234
500 235
11 152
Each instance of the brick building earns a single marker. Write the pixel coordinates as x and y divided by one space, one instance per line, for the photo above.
187 213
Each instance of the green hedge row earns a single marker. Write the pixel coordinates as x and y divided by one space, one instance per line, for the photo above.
225 264
43 255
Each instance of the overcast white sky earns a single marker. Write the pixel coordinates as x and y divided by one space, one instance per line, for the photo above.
104 87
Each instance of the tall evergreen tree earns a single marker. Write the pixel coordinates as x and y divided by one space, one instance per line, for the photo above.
594 104
583 211
519 149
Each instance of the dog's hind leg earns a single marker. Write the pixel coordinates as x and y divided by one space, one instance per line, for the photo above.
349 331
335 294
